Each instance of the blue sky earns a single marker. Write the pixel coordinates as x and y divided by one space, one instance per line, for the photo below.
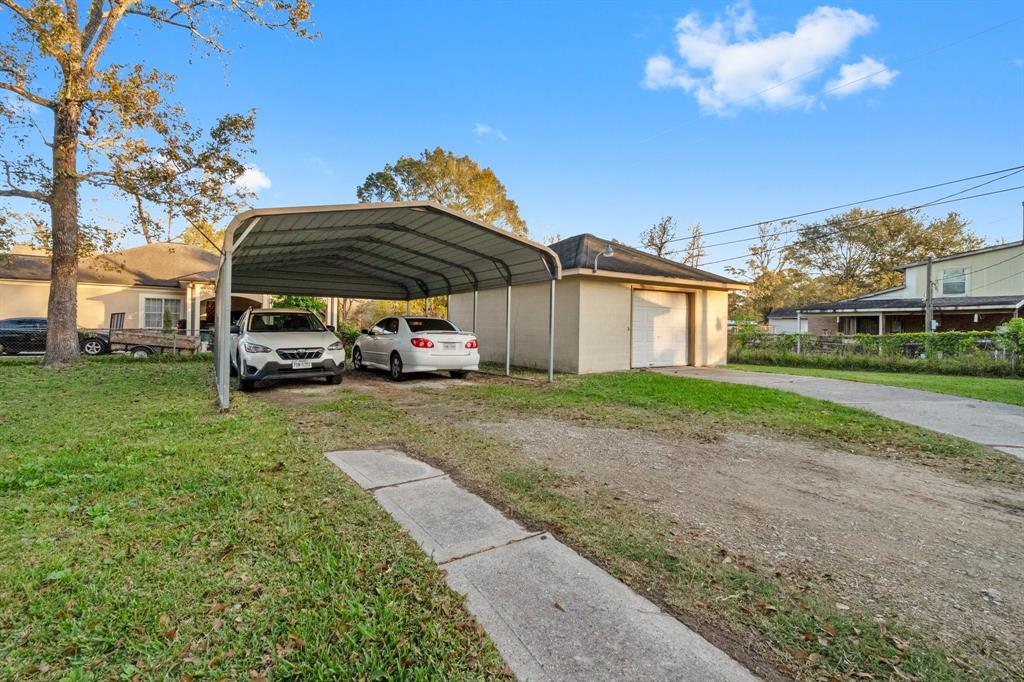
589 134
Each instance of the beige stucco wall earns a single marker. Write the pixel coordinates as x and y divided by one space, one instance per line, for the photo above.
606 311
23 298
96 302
529 324
593 324
993 273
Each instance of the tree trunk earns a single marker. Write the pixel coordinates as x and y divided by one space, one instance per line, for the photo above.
62 310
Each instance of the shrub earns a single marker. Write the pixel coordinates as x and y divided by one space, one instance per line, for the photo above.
348 332
977 364
984 353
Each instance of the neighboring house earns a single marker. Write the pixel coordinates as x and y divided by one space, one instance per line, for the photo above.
974 290
636 310
787 321
140 282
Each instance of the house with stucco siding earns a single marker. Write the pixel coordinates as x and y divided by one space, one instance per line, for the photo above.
629 309
140 282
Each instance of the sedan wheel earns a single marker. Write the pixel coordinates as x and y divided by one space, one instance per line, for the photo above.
357 360
395 373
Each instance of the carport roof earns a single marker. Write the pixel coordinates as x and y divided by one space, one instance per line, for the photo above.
402 250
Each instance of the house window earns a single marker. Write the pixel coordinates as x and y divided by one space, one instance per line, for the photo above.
153 311
954 282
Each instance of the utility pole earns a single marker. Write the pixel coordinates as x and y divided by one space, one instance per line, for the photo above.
928 298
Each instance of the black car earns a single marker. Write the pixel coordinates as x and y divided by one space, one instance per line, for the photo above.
28 335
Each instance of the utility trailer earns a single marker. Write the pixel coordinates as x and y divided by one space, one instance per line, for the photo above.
141 343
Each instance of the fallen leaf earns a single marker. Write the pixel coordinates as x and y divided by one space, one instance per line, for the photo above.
841 606
559 607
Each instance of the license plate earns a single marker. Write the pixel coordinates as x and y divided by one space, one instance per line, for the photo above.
302 364
451 346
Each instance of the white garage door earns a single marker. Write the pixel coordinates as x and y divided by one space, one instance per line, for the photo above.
660 329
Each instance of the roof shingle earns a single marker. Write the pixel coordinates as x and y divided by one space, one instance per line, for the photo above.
579 252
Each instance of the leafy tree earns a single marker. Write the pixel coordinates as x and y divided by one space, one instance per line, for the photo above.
856 252
456 182
112 127
203 235
314 303
768 269
658 236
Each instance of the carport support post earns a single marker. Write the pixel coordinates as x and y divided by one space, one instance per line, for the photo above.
551 333
408 307
476 299
223 323
508 330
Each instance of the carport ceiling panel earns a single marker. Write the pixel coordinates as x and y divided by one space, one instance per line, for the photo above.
425 249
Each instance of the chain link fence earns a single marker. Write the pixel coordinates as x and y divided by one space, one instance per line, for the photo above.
27 336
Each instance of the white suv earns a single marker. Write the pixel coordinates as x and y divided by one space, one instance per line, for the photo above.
284 343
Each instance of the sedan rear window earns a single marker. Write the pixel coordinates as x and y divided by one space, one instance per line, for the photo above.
429 324
285 322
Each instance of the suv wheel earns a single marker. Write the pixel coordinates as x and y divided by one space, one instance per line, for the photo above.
395 371
246 385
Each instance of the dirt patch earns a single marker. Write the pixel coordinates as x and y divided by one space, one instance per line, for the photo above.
312 391
893 537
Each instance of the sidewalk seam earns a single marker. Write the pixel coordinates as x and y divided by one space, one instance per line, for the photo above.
475 552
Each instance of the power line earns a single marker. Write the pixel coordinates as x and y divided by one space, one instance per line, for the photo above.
874 218
898 211
988 267
856 203
1001 279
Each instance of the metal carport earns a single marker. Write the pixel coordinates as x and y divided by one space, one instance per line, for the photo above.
397 251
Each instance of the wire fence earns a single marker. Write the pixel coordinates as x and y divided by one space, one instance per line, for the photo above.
28 337
997 352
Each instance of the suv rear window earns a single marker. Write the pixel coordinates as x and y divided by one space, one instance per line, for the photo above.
285 322
429 324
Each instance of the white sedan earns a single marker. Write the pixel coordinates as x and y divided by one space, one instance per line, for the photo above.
402 345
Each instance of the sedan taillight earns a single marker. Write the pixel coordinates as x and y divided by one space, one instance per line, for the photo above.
421 343
471 343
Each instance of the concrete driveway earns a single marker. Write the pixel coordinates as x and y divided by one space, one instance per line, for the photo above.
995 424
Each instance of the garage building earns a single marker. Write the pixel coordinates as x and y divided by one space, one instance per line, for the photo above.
612 312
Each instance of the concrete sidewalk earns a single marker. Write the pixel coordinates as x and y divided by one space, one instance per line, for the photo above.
552 614
995 424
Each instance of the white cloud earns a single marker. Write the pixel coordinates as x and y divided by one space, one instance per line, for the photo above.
321 165
484 130
726 64
253 180
854 78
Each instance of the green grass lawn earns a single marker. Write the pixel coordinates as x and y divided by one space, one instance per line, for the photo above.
996 389
145 536
774 622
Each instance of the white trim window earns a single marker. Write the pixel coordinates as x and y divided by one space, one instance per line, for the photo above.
153 311
954 282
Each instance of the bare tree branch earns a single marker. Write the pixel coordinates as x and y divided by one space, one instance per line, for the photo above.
30 96
15 191
113 16
93 24
20 11
169 21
